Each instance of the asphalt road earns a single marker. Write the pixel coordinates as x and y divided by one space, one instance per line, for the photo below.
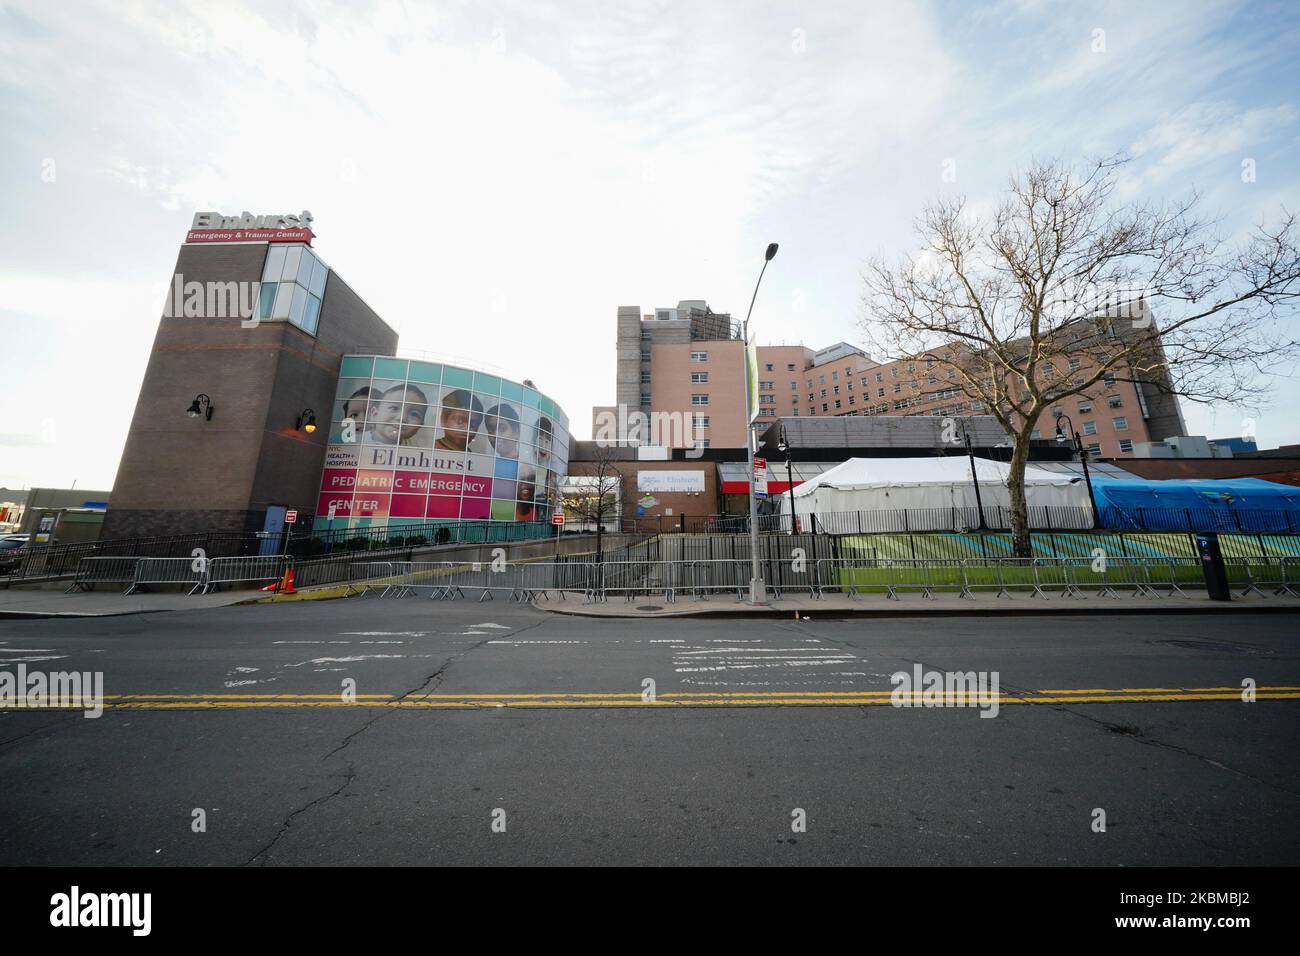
584 771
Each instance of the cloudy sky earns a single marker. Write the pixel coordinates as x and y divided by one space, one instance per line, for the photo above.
496 178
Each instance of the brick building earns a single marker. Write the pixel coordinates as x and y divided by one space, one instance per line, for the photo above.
686 366
253 330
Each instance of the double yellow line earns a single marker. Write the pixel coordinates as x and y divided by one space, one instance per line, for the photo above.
856 698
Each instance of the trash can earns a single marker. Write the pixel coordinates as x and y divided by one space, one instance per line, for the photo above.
1216 574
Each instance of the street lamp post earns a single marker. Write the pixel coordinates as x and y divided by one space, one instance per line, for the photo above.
784 446
974 477
1061 433
757 590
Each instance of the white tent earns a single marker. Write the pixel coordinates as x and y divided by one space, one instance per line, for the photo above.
893 484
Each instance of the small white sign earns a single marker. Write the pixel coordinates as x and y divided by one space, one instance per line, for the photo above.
671 482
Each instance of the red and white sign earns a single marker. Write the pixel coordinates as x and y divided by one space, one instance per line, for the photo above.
760 464
760 477
250 235
291 517
557 518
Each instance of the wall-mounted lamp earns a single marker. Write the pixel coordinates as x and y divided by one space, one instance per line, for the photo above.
306 421
202 405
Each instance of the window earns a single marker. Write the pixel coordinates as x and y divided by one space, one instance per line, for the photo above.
880 393
1114 401
645 378
1126 446
894 371
1094 450
837 403
898 387
852 400
767 386
699 356
794 386
849 385
835 376
702 443
701 421
645 356
952 373
1121 424
824 408
769 367
1085 407
790 367
836 389
1090 428
699 399
932 380
293 284
1074 364
645 398
823 393
699 378
880 376
821 379
1109 378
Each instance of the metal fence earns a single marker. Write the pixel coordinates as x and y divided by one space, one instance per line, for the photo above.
990 518
673 580
53 561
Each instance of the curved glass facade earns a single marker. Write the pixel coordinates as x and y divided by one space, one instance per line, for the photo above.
413 443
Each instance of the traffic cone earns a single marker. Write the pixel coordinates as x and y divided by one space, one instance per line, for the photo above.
273 586
286 586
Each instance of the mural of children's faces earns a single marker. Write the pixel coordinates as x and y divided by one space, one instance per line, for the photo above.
503 427
459 417
399 415
544 438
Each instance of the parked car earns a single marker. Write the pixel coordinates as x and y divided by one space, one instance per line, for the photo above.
11 551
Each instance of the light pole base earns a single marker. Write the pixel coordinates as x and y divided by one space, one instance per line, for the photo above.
757 592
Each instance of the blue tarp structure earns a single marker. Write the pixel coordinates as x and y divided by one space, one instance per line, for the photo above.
1249 505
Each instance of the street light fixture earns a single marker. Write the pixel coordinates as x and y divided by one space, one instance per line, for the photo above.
757 590
1062 431
201 406
784 446
306 421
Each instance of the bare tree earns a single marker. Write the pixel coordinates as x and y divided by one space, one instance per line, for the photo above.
1057 292
594 491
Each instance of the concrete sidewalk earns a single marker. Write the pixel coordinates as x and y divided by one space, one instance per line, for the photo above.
913 604
52 601
33 602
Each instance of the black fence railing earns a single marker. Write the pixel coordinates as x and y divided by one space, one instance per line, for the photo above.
992 518
41 561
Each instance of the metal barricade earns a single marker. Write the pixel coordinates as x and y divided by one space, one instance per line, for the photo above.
1175 574
367 576
245 570
1254 575
93 571
185 572
1289 569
